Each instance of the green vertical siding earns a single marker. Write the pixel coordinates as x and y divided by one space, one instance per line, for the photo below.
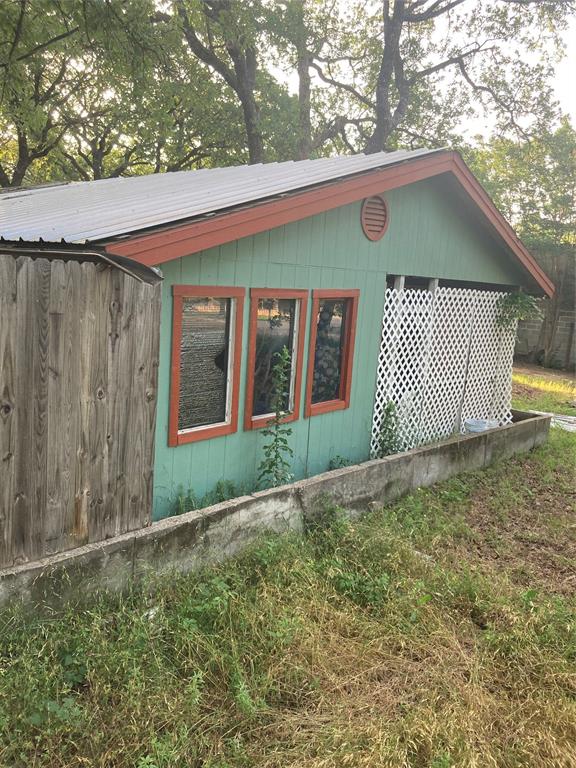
429 235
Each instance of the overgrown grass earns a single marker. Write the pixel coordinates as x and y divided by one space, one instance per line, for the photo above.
540 393
438 632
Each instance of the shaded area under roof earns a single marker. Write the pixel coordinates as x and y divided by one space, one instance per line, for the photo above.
90 211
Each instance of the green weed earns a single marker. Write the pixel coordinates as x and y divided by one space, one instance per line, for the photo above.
401 638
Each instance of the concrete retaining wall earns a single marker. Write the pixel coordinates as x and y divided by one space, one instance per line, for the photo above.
194 539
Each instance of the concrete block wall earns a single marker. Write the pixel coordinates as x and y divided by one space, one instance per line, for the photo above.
564 352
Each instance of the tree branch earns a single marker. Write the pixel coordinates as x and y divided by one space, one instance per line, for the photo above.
344 86
497 99
201 51
42 46
458 59
435 10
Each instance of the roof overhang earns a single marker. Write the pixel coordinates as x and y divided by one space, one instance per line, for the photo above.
184 239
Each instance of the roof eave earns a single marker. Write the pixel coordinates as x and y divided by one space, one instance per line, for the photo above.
168 243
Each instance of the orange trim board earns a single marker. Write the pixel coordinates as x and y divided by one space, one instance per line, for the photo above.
175 241
255 422
180 292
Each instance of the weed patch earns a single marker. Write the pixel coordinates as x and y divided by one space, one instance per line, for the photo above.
440 631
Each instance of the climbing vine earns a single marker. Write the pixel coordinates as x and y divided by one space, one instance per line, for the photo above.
516 306
389 438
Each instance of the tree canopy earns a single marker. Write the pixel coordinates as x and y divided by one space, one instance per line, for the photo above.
534 184
98 88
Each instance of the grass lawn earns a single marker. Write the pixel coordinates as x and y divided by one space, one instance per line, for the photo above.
438 632
541 392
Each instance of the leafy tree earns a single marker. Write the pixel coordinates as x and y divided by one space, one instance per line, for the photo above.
224 35
534 184
180 121
414 68
98 88
53 57
106 89
299 31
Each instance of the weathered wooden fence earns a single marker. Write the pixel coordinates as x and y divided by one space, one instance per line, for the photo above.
78 375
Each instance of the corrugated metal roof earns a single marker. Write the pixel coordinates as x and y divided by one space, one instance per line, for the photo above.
88 211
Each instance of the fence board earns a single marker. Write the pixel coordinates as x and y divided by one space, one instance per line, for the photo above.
72 332
57 400
119 404
7 401
22 526
38 481
78 377
83 485
94 425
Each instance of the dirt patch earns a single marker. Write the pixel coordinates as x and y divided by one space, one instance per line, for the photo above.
532 538
521 390
545 373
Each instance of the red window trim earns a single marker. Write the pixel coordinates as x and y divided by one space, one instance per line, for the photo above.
181 292
314 409
256 422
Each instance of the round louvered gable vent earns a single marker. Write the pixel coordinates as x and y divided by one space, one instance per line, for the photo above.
374 217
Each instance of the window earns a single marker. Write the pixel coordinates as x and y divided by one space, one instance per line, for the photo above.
331 351
277 320
206 354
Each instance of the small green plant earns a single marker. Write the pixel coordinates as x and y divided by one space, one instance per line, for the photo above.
338 462
326 516
516 306
389 438
222 491
364 589
274 469
185 501
442 760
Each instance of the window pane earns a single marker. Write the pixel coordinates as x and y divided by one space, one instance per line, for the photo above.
204 361
330 336
275 326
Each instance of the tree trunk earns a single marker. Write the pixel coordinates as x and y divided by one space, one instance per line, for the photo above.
391 73
252 124
304 122
303 60
245 66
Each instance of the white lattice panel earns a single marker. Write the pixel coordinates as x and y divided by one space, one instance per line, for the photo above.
489 386
404 343
443 359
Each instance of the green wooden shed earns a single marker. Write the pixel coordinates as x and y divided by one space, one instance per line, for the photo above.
381 274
